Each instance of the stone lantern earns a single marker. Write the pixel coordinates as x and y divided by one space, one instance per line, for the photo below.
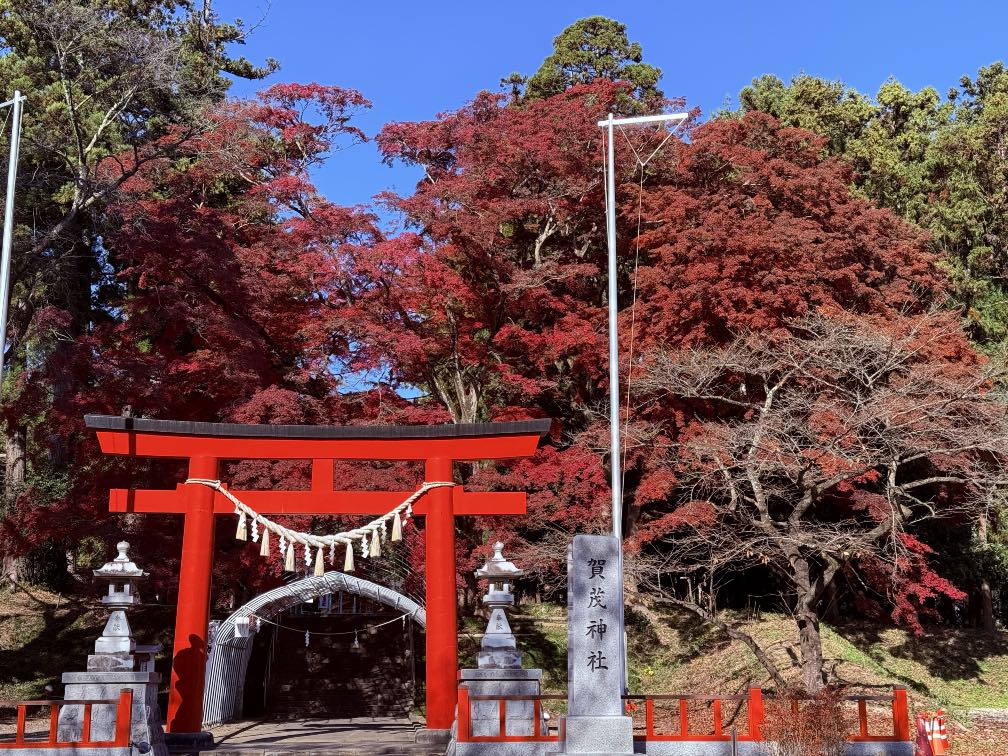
114 649
498 649
499 669
117 663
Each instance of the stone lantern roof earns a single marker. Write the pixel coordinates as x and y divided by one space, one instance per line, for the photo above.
122 574
497 568
120 567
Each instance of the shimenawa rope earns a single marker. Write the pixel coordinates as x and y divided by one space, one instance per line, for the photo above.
371 535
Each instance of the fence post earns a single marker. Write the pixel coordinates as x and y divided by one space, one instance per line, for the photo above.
901 714
464 731
19 728
86 726
756 713
53 724
124 718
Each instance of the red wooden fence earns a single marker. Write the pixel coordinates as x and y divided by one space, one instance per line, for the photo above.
755 716
121 738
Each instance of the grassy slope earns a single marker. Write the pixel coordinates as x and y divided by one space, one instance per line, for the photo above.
43 634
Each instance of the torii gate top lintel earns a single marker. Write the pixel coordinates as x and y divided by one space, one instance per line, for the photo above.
182 439
205 445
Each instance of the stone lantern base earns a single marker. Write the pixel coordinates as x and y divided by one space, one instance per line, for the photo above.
145 725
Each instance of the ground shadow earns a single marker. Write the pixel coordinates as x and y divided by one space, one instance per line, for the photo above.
949 654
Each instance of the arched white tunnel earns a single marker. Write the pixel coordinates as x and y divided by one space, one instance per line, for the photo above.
228 658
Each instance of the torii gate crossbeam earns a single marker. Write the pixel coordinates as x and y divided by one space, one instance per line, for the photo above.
205 445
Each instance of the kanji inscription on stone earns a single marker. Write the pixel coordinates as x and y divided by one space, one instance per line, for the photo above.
595 629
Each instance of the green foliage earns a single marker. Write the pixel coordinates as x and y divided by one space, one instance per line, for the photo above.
594 48
825 107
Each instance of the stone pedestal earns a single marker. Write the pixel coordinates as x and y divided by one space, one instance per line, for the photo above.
145 726
519 716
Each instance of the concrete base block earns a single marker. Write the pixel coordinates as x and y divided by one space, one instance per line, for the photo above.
505 749
188 742
485 715
433 737
585 735
145 717
891 748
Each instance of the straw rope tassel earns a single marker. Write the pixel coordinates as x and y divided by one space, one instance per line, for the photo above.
289 561
264 548
397 528
348 565
375 544
241 534
319 562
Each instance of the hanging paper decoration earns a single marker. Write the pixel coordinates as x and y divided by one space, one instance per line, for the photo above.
348 565
264 546
371 534
307 638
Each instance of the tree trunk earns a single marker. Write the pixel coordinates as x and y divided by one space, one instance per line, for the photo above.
810 643
986 597
987 607
14 468
807 619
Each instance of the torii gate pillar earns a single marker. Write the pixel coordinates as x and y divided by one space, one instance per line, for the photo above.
206 444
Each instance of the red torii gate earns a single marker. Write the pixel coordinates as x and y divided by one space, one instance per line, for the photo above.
206 444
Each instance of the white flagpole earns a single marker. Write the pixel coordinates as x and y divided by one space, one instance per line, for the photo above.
8 227
614 396
616 477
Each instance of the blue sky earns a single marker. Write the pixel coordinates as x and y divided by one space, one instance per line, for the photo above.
415 59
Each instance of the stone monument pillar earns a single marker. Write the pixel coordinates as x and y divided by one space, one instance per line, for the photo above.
117 663
499 669
595 721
